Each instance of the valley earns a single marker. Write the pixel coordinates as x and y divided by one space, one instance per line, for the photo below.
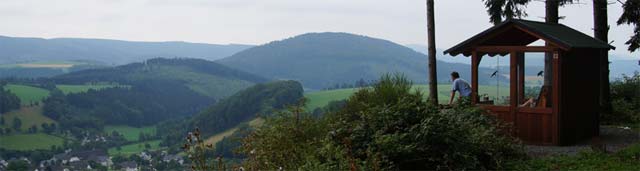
149 106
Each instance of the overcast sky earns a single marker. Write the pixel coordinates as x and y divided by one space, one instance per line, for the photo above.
261 21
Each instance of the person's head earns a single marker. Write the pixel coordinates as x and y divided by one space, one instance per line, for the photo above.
455 75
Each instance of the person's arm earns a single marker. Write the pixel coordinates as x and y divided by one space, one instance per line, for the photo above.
454 88
453 94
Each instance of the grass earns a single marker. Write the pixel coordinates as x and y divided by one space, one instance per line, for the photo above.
28 116
322 98
218 137
134 148
44 64
28 94
205 84
30 141
626 159
67 89
130 133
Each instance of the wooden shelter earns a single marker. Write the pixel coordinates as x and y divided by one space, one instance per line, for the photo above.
567 110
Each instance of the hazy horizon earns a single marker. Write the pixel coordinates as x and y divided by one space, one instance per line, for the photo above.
253 22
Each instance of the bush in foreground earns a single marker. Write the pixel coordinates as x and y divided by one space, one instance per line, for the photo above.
625 99
386 127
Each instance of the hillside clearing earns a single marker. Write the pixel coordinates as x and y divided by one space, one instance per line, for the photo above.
136 148
46 65
28 94
30 141
29 116
218 137
130 133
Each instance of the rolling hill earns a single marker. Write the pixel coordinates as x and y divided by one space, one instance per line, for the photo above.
112 52
321 60
247 104
204 77
261 99
146 93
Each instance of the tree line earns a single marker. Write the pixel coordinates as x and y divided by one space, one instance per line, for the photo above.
258 100
8 100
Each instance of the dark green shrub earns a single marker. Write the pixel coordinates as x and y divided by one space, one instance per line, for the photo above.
625 99
390 127
287 140
386 127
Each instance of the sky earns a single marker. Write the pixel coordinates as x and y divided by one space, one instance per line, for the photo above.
261 21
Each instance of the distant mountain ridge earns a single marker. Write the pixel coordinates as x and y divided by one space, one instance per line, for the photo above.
113 52
149 92
204 77
320 60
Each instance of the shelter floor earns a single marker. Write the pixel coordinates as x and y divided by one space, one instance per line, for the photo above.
613 137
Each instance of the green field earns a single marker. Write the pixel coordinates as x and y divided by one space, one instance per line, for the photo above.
29 141
28 94
322 98
28 116
134 148
218 137
44 64
66 89
130 133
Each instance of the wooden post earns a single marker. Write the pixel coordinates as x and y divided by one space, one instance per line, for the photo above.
521 78
556 119
513 85
475 61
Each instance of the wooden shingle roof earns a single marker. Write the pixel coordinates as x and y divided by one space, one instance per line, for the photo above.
517 32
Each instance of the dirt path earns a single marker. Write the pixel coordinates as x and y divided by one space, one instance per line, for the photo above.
614 139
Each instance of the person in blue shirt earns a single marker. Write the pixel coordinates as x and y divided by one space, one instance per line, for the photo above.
460 86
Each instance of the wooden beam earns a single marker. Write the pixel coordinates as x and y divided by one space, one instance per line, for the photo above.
504 49
556 120
475 62
513 86
565 48
521 77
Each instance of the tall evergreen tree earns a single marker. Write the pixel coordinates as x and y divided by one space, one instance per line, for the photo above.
431 33
601 31
631 16
17 123
498 9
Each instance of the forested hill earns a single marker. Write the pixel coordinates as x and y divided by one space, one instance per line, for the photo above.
260 99
247 104
321 60
146 93
204 77
16 50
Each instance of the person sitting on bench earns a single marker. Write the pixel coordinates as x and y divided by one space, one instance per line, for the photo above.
542 99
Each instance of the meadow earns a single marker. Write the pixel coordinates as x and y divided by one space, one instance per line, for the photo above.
218 137
134 148
30 141
27 94
29 116
321 98
44 64
130 133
